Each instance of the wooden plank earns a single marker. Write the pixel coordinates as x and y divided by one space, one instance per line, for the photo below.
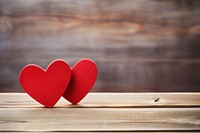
99 119
107 112
109 100
135 43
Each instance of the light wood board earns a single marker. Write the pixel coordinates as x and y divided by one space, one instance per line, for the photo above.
110 112
111 100
100 119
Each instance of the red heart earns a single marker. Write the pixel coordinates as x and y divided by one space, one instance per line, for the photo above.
83 77
46 86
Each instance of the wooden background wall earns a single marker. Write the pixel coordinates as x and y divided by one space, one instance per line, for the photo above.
138 45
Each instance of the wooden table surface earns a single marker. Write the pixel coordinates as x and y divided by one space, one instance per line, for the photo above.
108 112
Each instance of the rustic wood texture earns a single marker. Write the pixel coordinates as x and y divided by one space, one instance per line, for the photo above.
111 100
138 45
138 114
100 119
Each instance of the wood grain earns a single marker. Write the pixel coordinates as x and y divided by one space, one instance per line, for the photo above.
140 45
19 113
108 100
99 119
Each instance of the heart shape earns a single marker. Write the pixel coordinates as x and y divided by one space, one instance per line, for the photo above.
46 86
83 76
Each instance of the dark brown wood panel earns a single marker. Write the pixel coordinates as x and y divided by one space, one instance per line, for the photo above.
140 45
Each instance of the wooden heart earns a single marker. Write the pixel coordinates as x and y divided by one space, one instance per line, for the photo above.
46 86
83 77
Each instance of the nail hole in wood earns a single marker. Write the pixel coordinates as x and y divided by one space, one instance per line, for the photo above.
157 100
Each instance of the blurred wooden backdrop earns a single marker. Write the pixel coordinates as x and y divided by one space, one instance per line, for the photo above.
138 45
